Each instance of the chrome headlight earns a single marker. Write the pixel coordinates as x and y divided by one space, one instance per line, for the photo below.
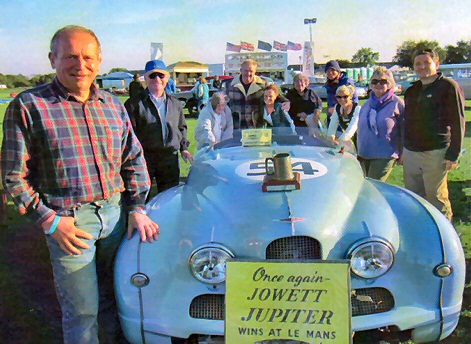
208 263
371 259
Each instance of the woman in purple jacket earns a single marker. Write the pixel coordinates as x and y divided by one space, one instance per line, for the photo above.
380 127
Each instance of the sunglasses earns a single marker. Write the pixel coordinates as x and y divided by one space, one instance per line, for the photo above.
157 74
342 97
381 82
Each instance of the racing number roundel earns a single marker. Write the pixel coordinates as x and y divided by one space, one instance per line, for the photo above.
255 169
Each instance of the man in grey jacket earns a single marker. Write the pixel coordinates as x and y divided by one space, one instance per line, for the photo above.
158 121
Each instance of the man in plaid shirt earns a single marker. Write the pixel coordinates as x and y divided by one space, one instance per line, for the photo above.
72 164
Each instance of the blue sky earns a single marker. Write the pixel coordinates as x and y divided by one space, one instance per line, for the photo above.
198 30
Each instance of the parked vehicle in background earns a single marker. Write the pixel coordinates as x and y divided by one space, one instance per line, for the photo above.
407 82
188 100
398 89
362 89
222 78
191 103
461 73
315 83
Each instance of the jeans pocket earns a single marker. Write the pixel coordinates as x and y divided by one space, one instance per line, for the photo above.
116 200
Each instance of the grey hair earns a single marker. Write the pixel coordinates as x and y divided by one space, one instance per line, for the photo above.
217 98
387 74
68 30
300 76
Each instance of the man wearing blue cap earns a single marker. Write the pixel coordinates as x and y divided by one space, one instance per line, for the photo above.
158 121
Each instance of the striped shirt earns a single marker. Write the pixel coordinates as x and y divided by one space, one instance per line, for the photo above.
58 152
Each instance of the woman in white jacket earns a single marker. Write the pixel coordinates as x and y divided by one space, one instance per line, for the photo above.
345 115
214 122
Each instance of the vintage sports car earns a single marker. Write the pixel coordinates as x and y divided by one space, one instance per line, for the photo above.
407 262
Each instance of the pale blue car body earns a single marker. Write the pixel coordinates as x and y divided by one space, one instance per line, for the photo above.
222 202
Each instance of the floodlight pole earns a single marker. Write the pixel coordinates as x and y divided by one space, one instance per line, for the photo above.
311 21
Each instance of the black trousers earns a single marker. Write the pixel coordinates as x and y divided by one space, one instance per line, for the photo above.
164 167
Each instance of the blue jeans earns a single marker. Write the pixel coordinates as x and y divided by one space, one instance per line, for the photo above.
84 283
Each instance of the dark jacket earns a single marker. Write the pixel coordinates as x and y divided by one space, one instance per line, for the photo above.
147 125
308 103
434 117
278 117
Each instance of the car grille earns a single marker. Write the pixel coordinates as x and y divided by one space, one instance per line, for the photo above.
208 306
371 301
364 301
294 247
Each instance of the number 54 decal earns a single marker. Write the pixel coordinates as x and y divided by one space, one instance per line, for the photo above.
255 169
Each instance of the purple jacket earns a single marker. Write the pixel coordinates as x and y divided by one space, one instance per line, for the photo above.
380 131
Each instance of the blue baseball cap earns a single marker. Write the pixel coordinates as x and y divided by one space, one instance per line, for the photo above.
156 66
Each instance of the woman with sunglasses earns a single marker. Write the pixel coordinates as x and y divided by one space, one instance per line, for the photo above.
345 115
379 127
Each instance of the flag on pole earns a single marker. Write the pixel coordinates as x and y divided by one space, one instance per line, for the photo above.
264 46
246 46
156 51
279 46
294 46
233 47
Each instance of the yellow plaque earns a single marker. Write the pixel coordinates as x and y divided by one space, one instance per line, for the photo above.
307 302
256 137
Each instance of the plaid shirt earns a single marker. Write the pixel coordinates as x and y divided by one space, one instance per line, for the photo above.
58 152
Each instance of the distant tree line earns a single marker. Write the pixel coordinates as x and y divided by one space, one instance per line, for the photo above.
19 80
459 53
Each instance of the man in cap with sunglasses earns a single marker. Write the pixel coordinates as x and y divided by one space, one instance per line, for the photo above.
434 131
158 121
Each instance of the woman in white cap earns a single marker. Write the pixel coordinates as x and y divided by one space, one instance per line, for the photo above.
380 127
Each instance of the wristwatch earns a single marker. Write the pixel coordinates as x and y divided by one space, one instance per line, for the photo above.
138 210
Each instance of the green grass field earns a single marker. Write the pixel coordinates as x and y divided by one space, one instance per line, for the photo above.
459 180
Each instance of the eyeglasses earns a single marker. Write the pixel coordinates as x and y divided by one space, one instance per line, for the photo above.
380 81
342 97
156 74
